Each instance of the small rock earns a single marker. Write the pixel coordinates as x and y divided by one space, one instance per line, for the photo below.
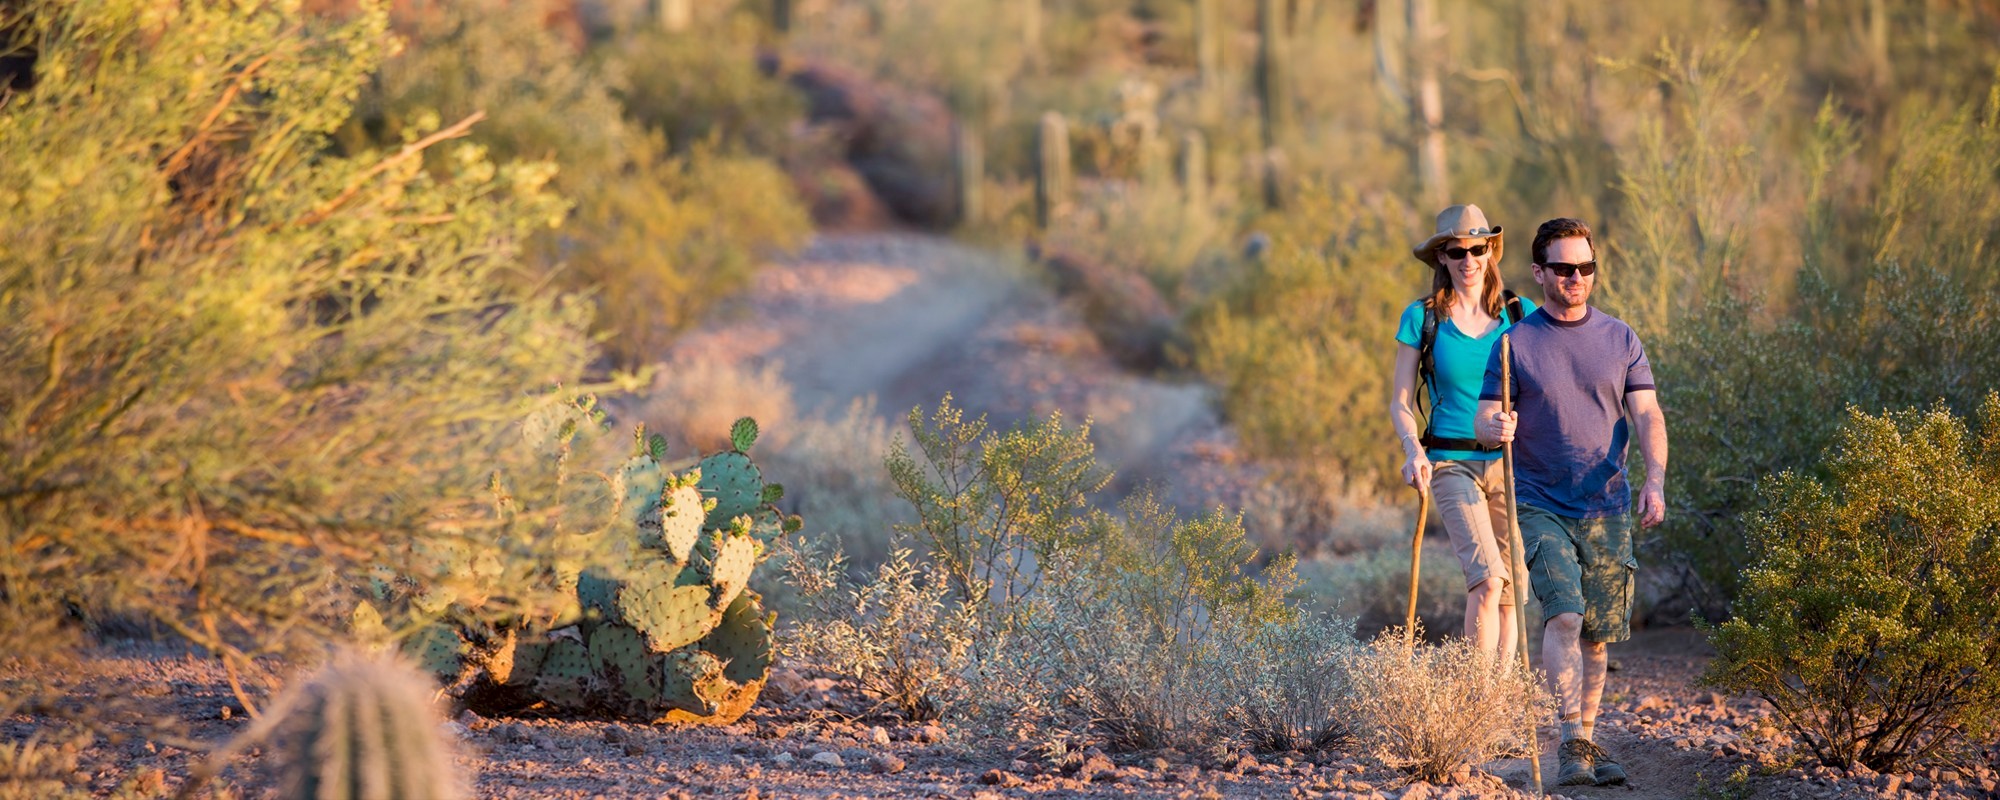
1097 767
994 777
829 758
1022 767
886 763
634 749
613 735
782 759
1948 776
1245 764
1920 784
1160 765
879 736
932 734
456 730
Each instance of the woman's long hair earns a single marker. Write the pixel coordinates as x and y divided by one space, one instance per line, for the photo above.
1444 294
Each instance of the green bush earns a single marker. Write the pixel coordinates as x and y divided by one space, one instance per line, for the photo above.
705 87
244 370
657 236
1867 620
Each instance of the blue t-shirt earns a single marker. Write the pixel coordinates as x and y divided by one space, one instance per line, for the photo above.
1570 382
1461 364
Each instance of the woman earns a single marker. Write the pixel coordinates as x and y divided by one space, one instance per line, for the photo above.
1468 309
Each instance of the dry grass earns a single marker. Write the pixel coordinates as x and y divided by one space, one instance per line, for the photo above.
695 398
1436 711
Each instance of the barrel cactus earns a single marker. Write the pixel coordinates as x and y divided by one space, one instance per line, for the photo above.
364 728
668 630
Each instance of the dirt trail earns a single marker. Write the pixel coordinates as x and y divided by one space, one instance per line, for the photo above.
907 318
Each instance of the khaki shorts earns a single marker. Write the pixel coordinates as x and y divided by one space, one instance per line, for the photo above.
1582 566
1471 498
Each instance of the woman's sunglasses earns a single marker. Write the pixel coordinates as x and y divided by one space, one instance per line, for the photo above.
1461 252
1565 270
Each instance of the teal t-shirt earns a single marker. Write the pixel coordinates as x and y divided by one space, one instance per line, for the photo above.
1461 368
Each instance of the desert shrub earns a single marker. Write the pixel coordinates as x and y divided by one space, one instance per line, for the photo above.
1300 347
1373 587
1294 693
832 471
1436 710
1751 399
245 369
1132 648
657 236
696 395
1867 620
704 86
901 636
669 235
994 505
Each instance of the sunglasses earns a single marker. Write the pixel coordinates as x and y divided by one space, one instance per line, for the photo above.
1565 270
1461 252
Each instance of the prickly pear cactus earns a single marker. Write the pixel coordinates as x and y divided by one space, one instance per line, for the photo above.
669 632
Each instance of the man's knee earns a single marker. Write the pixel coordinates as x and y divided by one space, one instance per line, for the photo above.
1567 625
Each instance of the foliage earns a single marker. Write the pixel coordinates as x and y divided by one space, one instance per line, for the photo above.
994 507
1035 608
657 236
244 370
1751 399
1434 710
1867 620
1372 587
1298 696
705 87
1299 346
901 636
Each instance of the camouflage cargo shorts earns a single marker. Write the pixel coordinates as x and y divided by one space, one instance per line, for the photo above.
1582 566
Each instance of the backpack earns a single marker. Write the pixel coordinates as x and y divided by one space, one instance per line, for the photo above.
1510 307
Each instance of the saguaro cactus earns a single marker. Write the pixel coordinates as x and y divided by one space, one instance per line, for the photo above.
1208 51
1052 173
1194 173
364 729
1274 74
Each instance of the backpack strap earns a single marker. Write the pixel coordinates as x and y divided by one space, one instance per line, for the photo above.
1427 373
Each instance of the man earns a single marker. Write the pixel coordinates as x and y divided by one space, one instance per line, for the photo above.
1579 375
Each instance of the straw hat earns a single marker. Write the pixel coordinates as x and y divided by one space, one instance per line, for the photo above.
1459 222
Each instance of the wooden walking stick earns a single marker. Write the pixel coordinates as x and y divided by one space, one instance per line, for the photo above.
1416 561
1520 565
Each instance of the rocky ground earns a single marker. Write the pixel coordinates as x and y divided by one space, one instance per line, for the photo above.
811 738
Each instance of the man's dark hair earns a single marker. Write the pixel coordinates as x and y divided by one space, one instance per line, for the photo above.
1559 228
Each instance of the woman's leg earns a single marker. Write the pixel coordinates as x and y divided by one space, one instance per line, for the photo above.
1464 504
1500 522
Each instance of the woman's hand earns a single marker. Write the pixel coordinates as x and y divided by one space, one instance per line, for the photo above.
1417 472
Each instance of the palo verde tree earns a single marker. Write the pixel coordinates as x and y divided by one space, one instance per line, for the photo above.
243 370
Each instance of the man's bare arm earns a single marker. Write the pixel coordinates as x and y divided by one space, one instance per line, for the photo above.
1643 407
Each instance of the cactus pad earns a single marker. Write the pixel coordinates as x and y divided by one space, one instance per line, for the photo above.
694 682
365 624
734 482
735 557
670 616
743 640
643 480
566 678
438 649
681 518
620 658
597 592
743 435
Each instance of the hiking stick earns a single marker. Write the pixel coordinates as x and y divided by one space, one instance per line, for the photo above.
1520 565
1416 562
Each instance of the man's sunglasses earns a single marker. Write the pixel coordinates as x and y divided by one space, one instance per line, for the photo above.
1461 252
1565 270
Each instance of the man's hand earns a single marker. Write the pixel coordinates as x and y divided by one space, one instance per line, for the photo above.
1497 428
1652 504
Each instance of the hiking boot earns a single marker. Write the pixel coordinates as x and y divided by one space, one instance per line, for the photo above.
1577 763
1608 772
